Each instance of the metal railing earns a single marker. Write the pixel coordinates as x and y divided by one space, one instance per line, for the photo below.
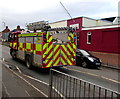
65 86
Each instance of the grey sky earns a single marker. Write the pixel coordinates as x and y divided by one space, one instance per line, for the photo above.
21 12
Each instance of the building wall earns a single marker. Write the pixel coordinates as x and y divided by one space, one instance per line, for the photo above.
102 23
58 24
102 40
88 22
108 58
104 43
75 21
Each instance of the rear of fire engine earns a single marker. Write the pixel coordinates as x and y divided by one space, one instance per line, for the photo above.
44 49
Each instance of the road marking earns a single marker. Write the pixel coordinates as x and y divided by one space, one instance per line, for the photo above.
33 79
30 84
36 80
27 93
43 83
6 90
26 81
94 75
110 79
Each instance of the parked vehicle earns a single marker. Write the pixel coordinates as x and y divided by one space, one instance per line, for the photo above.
85 59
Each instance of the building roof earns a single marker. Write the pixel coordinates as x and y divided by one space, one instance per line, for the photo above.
101 27
111 19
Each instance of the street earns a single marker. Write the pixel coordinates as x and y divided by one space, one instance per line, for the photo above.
18 81
16 85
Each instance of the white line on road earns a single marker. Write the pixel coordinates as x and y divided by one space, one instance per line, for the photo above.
27 93
41 82
26 81
33 79
29 84
6 90
36 80
94 75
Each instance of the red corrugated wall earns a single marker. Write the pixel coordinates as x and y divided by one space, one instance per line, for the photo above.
102 40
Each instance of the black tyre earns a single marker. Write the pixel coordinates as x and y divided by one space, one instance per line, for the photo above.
28 62
84 64
98 67
13 54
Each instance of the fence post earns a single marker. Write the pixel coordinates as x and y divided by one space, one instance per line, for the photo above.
50 83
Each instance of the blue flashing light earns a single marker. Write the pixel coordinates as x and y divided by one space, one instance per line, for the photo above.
74 37
44 36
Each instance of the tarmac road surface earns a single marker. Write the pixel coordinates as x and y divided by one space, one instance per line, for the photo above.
15 84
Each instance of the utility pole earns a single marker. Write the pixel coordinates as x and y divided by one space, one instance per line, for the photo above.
3 24
67 11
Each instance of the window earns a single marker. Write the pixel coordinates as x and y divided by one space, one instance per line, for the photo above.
89 38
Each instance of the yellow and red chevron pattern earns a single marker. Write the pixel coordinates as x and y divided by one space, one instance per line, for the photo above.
71 47
63 54
47 50
56 58
60 55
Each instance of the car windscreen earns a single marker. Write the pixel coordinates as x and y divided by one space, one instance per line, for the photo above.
85 53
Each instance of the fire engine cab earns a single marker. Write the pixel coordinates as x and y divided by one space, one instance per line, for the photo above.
44 49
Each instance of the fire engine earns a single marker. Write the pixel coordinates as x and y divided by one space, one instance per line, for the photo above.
44 49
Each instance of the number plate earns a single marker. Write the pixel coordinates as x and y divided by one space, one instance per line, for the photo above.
97 63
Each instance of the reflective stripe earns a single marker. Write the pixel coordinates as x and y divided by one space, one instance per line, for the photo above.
10 44
48 51
29 47
71 47
64 55
14 45
38 47
56 56
21 47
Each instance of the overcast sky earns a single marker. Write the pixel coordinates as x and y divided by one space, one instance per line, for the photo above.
22 12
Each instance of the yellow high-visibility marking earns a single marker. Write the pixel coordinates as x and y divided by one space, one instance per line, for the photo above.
56 55
56 63
38 47
50 63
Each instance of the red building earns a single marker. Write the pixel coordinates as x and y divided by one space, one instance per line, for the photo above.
103 42
82 22
101 38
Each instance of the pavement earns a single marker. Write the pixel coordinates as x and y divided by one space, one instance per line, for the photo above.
111 66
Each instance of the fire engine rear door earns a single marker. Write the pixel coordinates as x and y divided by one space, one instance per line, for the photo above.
60 55
63 54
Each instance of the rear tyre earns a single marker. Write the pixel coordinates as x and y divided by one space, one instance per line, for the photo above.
84 64
98 68
13 54
28 62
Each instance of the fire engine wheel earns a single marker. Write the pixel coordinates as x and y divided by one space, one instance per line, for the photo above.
13 54
28 62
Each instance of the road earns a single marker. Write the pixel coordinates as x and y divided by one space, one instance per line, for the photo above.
15 84
104 77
